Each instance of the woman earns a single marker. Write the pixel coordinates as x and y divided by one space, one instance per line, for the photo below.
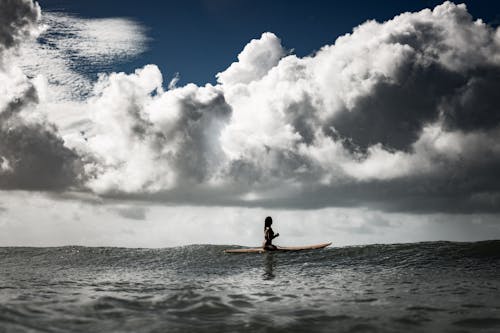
269 235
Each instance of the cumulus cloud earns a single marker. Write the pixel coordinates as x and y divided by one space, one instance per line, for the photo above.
32 155
256 59
399 115
147 140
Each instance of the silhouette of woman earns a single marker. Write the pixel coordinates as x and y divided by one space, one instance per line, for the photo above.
269 235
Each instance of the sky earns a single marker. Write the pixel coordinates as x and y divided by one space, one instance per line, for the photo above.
199 38
181 123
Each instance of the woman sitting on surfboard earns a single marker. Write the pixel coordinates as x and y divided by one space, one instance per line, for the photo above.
269 235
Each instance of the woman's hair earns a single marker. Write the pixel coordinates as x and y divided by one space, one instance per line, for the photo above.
267 222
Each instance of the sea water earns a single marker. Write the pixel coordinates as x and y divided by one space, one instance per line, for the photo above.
422 287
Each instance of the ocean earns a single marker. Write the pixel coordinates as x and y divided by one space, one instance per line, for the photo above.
419 287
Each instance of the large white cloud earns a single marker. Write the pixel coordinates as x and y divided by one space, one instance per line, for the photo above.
145 140
256 59
402 115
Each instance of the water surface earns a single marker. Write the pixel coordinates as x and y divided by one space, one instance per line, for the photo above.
436 286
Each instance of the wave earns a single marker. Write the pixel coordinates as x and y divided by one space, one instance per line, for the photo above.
440 253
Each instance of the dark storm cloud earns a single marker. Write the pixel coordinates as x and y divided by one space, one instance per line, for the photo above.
36 158
396 109
17 20
394 113
32 155
476 104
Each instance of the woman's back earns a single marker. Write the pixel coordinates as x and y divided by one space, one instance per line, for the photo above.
269 234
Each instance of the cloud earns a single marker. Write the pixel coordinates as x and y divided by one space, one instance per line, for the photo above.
400 115
18 20
172 225
147 140
94 46
132 212
32 155
256 59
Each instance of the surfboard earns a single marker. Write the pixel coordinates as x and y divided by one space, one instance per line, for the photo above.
279 249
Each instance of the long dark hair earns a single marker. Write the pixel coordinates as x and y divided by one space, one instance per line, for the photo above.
267 222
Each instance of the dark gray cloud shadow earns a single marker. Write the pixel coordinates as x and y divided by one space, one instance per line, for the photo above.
131 212
36 155
17 18
394 113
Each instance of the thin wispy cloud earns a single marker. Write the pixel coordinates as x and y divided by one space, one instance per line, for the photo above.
71 51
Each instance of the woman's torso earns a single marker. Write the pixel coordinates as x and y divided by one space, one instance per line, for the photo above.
268 235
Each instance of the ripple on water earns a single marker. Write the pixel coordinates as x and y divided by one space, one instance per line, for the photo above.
477 306
408 321
486 322
241 304
424 308
415 319
365 300
360 328
273 299
319 320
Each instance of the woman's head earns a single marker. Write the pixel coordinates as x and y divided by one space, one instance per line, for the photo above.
268 221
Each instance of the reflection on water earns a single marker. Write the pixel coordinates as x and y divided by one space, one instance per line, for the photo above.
268 266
